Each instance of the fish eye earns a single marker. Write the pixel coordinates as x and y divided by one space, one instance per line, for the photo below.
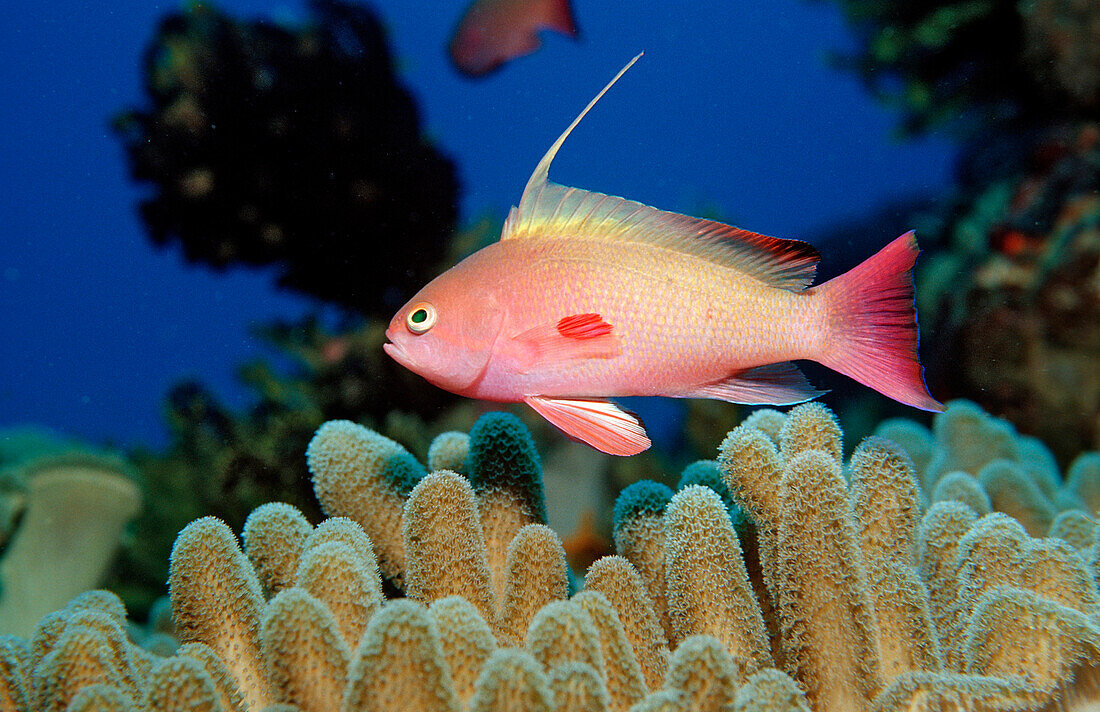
421 318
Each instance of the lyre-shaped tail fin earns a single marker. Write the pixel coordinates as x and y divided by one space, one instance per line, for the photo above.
874 324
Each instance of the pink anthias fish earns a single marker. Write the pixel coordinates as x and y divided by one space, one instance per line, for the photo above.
587 296
493 32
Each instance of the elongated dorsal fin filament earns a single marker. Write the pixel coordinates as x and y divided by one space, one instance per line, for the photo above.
542 170
549 211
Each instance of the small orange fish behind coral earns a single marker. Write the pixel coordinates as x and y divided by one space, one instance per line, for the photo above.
493 32
585 544
588 296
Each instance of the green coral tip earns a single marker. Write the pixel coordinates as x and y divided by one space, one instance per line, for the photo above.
499 435
403 472
706 473
575 584
644 498
503 455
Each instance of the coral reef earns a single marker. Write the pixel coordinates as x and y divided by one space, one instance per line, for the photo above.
64 507
18 446
1009 294
225 463
269 144
1061 45
840 589
1016 294
975 65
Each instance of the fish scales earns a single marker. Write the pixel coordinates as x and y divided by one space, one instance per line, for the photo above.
682 320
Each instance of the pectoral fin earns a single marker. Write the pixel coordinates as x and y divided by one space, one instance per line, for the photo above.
578 336
599 423
772 384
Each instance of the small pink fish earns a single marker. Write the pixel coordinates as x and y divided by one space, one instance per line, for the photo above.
493 32
588 296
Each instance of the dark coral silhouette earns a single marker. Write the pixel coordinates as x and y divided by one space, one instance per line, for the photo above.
290 146
978 63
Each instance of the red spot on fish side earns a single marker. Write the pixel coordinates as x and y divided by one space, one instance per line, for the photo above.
583 326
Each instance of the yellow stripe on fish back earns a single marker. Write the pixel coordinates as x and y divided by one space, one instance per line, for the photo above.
670 309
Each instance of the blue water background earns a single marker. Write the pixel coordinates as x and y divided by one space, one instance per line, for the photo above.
733 107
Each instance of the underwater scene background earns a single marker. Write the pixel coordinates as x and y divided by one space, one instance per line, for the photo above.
217 491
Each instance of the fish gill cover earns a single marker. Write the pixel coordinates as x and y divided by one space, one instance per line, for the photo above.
290 146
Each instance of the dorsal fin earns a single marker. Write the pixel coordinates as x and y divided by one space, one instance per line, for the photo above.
538 179
548 210
542 170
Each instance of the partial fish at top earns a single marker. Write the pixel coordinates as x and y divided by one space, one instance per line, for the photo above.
493 32
588 296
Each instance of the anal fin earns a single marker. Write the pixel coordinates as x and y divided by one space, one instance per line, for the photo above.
598 423
771 384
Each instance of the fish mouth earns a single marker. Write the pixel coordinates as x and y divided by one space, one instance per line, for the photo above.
394 351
